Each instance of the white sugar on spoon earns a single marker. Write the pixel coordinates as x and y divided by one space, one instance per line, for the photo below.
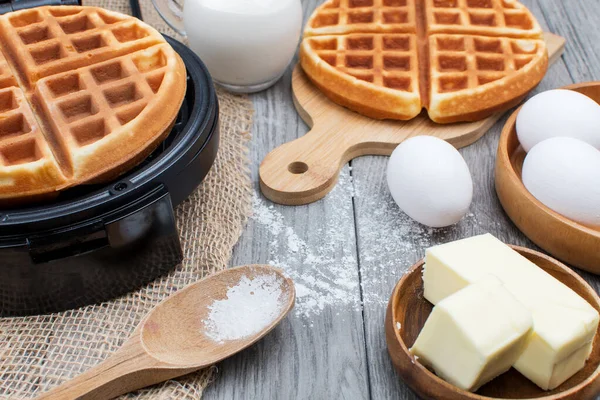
250 306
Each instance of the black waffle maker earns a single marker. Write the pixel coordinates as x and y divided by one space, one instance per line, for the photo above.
97 242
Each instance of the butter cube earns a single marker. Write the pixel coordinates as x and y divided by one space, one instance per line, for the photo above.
474 335
564 323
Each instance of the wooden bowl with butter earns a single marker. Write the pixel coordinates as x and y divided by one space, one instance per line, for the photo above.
565 239
406 315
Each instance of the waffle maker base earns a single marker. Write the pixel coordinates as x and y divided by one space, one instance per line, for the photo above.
94 243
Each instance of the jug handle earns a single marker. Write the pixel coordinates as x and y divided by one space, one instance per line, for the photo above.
172 12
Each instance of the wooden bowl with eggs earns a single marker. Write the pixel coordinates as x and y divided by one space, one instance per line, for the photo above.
406 315
567 240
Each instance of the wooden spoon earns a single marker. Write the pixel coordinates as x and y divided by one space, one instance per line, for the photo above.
169 342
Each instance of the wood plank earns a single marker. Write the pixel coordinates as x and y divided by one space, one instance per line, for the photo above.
578 23
314 353
389 242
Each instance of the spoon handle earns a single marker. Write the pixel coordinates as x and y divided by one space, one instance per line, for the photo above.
129 369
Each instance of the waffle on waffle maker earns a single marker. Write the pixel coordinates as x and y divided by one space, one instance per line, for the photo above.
96 242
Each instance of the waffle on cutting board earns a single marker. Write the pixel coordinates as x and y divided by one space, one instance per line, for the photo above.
85 95
461 60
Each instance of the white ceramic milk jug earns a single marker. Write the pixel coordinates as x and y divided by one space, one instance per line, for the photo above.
246 44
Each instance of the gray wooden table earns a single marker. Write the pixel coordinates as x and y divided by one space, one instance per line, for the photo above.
347 251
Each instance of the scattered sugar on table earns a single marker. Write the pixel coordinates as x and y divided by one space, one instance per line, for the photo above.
249 307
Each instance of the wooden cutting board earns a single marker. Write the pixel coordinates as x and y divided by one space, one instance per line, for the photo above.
306 169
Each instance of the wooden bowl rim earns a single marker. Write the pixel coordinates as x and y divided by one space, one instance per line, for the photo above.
474 396
510 128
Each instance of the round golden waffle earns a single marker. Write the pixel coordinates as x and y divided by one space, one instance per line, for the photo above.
85 94
462 60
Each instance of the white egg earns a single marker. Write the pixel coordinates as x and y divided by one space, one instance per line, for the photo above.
564 174
430 181
559 113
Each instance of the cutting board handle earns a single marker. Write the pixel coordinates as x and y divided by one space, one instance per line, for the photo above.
303 167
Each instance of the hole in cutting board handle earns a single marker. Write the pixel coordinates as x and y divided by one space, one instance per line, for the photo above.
297 167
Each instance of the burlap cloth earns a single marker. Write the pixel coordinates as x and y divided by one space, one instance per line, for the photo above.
38 353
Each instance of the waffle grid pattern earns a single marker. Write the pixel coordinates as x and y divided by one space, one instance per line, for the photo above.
467 62
72 85
44 39
384 60
20 138
97 100
499 17
7 78
342 16
457 46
